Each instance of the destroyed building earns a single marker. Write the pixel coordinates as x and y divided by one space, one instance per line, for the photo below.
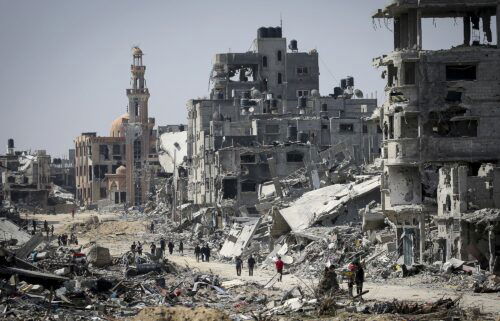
440 143
127 155
25 176
265 121
62 172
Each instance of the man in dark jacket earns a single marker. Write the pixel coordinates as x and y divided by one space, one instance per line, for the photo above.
197 252
251 264
239 265
162 246
181 247
208 253
170 247
359 278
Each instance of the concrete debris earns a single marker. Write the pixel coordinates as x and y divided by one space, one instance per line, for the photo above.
98 256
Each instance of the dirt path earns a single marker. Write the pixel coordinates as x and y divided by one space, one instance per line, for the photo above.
118 244
489 303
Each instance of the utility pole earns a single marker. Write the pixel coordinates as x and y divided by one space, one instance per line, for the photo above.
174 202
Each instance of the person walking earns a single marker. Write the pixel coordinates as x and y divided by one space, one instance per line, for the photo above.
181 247
359 278
207 252
139 248
170 247
133 247
34 226
152 227
45 226
162 246
153 248
197 252
279 268
73 214
239 265
251 265
52 230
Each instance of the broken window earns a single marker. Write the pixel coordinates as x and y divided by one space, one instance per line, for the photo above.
264 61
453 96
104 151
294 157
136 107
247 159
137 149
346 128
392 75
409 68
453 123
302 93
248 186
379 130
365 129
279 78
279 55
272 129
123 197
117 197
409 126
103 192
302 71
229 188
460 72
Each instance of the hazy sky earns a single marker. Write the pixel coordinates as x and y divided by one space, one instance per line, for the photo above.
66 64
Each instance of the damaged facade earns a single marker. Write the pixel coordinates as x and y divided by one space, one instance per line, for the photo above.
131 147
440 142
265 124
25 177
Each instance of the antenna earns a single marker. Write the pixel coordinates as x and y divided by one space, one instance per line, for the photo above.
281 22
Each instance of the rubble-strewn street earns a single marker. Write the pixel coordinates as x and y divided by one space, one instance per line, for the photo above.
270 196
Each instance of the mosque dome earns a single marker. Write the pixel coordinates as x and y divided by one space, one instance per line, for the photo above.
117 128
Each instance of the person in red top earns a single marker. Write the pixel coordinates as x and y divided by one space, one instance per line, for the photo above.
279 267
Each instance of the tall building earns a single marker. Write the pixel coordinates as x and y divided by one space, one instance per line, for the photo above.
117 169
266 120
139 139
441 145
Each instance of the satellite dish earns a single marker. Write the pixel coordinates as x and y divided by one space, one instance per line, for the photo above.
358 93
251 109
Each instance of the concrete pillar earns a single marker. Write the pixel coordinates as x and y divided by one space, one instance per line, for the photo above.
466 30
419 29
412 29
421 227
498 24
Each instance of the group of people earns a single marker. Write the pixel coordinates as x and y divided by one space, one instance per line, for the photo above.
239 265
64 240
202 252
137 247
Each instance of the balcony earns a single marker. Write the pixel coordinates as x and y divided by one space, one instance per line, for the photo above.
403 151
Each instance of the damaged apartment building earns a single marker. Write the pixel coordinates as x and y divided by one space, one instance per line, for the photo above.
441 145
117 169
25 177
265 124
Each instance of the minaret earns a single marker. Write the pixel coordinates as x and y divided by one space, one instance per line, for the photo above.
138 95
137 134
